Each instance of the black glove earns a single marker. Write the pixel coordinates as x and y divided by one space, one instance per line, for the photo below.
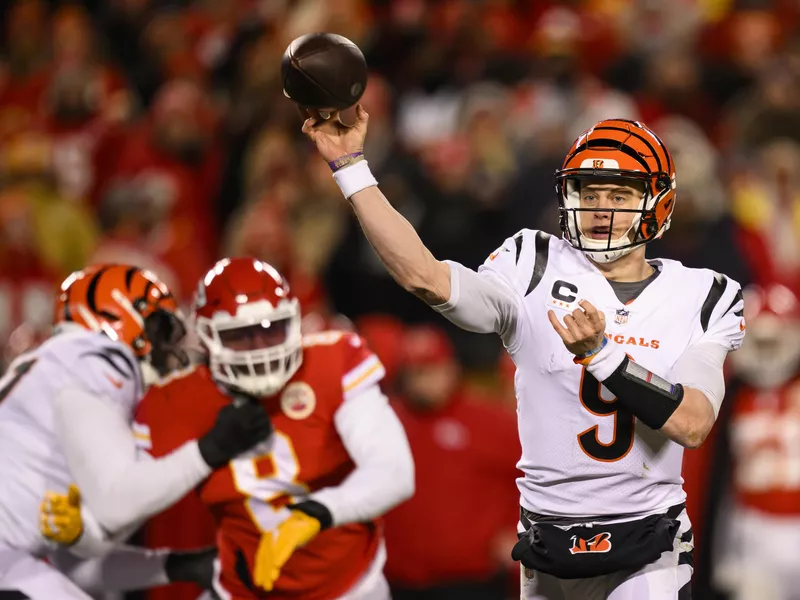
193 566
240 426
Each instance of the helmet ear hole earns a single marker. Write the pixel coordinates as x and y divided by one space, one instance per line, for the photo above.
649 226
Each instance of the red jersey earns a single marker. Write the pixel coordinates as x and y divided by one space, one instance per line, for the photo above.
765 438
304 454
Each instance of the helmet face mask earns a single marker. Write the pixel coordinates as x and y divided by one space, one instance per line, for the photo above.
166 331
628 154
254 341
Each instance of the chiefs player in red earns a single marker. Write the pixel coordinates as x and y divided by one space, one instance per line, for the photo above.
296 515
751 548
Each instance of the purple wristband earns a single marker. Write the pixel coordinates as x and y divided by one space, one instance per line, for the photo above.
343 161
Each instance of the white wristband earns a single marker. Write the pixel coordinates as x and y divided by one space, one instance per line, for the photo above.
354 178
605 362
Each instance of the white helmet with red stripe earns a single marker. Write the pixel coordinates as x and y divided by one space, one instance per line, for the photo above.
770 355
249 321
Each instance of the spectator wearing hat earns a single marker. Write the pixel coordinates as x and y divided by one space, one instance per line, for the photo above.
453 538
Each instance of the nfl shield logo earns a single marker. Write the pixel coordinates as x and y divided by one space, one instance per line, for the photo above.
622 316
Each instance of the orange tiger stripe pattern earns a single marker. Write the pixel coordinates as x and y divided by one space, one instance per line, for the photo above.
623 148
115 300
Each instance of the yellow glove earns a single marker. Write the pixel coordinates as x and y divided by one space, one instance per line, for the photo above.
276 547
60 516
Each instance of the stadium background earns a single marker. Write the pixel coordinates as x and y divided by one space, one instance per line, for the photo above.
155 132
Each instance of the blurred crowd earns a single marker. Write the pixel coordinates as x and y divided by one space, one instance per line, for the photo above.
156 132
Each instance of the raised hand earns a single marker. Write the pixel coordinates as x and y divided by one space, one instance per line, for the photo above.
333 138
60 518
583 330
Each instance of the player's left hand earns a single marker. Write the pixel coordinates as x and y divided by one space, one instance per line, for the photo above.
60 516
276 547
583 330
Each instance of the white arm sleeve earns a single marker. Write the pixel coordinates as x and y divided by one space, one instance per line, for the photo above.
384 473
101 453
481 302
123 569
700 368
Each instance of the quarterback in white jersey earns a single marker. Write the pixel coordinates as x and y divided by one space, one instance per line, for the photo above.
65 415
619 358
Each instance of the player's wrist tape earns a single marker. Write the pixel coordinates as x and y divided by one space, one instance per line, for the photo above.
354 178
347 159
651 399
315 509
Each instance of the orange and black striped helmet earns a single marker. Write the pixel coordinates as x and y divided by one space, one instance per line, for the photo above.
126 303
620 149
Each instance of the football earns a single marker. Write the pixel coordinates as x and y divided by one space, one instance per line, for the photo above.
323 71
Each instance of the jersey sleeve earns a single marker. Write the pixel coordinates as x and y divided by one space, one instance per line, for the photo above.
107 370
491 299
362 368
722 313
503 264
384 468
147 414
103 460
722 323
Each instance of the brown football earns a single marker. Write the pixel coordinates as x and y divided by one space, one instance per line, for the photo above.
324 71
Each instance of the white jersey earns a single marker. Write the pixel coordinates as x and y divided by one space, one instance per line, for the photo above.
31 457
581 455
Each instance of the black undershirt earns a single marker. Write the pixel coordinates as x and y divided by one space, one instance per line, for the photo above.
630 290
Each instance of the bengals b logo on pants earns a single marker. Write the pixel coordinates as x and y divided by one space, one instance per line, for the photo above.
599 543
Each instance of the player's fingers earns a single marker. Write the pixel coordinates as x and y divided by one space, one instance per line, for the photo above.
575 330
362 117
44 527
47 525
560 329
59 510
264 558
581 319
588 308
308 126
59 522
53 502
594 316
74 495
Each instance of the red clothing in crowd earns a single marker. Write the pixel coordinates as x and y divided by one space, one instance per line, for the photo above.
21 100
26 292
184 194
465 457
